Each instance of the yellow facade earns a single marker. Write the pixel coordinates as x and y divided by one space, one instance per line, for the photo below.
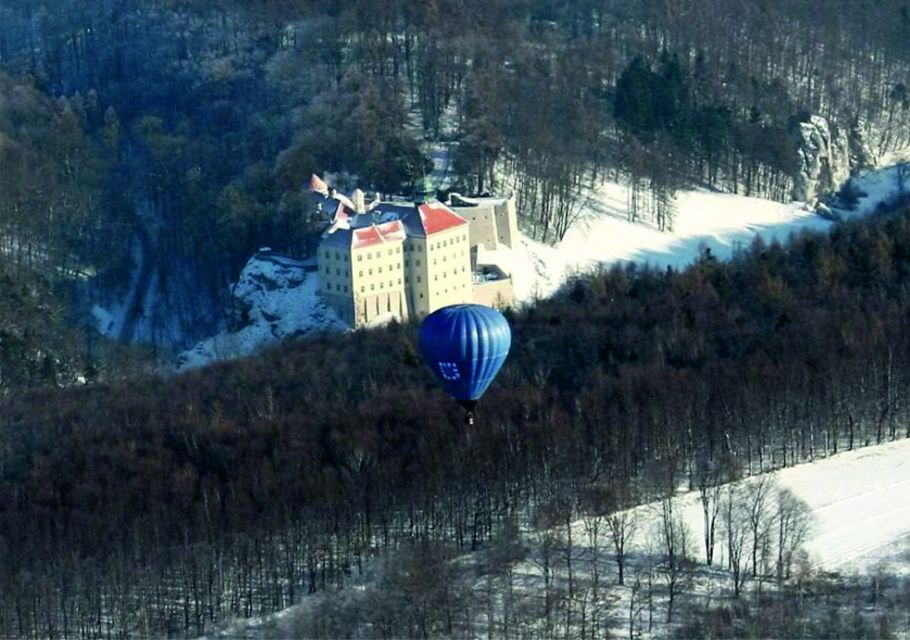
378 282
406 275
438 270
334 266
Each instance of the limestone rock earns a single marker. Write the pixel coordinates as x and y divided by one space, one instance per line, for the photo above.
823 159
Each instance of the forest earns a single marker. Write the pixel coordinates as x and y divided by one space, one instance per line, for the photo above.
148 147
161 506
171 139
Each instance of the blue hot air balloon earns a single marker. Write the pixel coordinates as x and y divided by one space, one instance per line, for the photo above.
465 346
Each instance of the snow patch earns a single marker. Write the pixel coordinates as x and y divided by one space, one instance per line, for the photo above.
275 298
721 223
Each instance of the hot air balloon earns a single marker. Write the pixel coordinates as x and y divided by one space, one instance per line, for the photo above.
465 346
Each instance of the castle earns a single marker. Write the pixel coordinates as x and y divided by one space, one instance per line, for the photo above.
405 260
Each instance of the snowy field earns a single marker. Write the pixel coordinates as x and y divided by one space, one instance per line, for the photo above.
857 500
720 222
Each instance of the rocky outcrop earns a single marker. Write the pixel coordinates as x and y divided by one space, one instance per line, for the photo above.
823 159
275 298
861 154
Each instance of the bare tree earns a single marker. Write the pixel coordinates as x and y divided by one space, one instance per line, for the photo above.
675 542
709 491
794 520
623 528
736 531
757 498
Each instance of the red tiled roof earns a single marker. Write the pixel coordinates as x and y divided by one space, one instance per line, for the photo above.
341 219
318 185
436 217
378 234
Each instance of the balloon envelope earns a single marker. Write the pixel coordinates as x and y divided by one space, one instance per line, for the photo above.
465 346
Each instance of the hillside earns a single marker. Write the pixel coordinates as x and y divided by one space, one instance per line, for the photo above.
851 514
277 298
632 380
204 119
714 287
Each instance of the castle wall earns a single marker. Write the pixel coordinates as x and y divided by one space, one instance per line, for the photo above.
497 293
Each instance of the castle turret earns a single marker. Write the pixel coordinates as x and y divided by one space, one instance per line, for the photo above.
359 201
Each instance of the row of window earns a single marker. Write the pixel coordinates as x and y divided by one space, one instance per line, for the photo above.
338 256
395 250
454 257
381 286
391 252
445 274
392 267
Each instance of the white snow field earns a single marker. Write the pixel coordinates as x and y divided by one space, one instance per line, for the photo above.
720 222
857 500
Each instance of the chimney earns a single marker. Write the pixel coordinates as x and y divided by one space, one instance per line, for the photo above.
359 201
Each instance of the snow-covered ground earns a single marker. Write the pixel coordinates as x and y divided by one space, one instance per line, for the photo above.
720 222
277 298
860 522
857 500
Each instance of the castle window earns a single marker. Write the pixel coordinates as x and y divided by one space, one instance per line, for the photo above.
370 271
399 280
421 296
360 273
328 285
345 288
370 255
372 287
380 269
418 280
345 257
391 252
382 285
363 289
337 272
392 284
360 258
337 256
417 264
